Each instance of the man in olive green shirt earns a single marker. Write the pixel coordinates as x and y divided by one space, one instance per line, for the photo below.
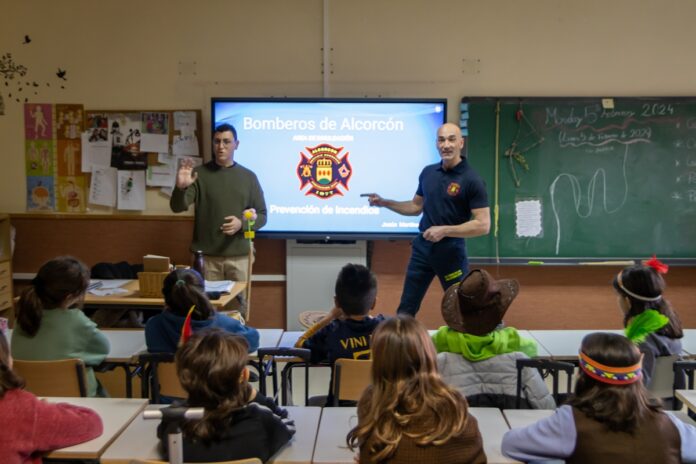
223 191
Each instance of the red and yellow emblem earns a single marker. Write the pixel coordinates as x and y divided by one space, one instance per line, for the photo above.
453 189
324 170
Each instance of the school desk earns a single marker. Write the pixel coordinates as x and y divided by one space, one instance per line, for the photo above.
116 415
688 397
518 418
562 345
337 422
133 298
139 440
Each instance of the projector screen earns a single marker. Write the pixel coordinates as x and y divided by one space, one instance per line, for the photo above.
314 158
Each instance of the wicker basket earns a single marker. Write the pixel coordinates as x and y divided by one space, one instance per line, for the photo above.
151 283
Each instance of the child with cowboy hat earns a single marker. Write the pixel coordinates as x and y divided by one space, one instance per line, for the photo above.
476 354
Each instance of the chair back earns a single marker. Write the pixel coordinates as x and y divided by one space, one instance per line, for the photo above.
663 377
683 378
546 367
62 377
267 365
351 377
159 372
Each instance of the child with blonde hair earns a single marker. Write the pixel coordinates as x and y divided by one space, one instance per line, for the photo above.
409 414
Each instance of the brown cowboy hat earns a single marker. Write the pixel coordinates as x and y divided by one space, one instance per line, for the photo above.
477 304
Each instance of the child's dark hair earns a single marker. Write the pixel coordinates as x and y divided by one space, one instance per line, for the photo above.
646 282
57 280
210 366
184 288
620 407
356 289
226 128
8 379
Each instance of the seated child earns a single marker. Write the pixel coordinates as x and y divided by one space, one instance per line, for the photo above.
476 356
212 368
50 323
184 289
650 320
609 419
345 332
37 426
409 414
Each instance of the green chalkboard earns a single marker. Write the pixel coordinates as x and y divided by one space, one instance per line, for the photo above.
585 178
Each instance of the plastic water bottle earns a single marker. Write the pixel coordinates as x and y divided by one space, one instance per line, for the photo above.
198 263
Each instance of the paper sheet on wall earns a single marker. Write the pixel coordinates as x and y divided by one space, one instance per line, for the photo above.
528 218
154 143
185 122
131 190
185 145
102 189
161 175
94 153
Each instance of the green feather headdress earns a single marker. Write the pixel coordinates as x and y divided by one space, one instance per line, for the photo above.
644 324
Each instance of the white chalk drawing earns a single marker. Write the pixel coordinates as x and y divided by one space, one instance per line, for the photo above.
578 195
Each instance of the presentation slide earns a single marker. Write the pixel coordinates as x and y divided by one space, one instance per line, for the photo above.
315 158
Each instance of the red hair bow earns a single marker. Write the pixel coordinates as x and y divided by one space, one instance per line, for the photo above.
658 265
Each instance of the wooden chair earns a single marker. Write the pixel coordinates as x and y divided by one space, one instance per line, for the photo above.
239 461
351 377
683 379
63 377
159 377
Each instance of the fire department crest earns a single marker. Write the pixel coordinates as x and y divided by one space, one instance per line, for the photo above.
453 189
324 170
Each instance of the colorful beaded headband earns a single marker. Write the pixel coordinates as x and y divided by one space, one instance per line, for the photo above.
607 374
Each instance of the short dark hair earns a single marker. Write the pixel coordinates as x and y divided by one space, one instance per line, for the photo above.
184 288
356 289
225 128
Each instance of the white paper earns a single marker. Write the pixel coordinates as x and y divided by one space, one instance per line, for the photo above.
131 190
96 153
108 291
185 122
161 175
528 218
185 145
167 191
108 283
224 286
166 158
154 143
102 189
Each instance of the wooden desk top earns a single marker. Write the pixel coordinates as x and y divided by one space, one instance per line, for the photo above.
116 415
139 440
133 298
688 397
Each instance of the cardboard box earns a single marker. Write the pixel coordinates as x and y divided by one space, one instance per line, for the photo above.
154 263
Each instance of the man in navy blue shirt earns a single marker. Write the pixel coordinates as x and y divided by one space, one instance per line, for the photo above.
454 202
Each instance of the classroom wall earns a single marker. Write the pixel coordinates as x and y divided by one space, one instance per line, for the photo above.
178 54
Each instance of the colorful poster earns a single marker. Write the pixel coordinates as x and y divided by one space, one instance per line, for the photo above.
69 123
39 157
69 159
38 121
40 193
70 194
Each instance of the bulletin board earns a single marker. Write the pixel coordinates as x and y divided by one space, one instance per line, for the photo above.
104 161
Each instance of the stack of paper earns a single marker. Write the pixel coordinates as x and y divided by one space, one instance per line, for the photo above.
222 286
